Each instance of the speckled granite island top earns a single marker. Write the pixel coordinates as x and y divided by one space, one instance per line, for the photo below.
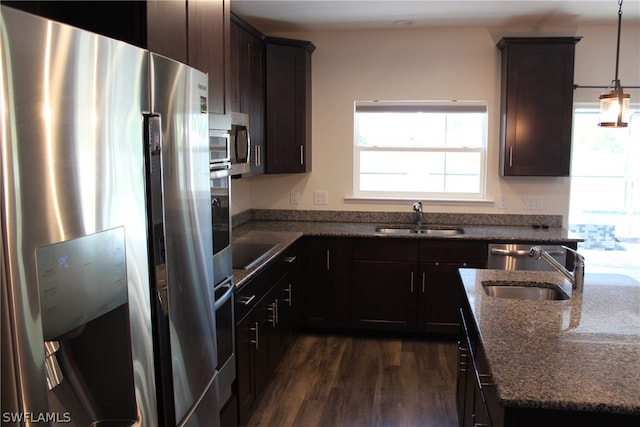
578 354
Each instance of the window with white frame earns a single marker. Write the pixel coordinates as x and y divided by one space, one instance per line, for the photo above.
420 149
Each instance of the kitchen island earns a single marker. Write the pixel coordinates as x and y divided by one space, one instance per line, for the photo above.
553 362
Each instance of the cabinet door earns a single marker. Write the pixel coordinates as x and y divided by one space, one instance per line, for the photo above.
247 334
326 272
287 308
537 103
238 50
247 93
265 331
167 29
207 45
384 295
288 109
272 335
441 292
461 383
255 100
441 295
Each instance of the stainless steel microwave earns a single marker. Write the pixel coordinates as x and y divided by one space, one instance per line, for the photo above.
240 144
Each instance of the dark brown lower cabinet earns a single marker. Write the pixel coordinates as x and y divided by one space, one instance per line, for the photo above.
265 327
326 282
411 285
440 295
384 295
246 355
476 393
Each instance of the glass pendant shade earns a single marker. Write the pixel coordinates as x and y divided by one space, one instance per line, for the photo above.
614 104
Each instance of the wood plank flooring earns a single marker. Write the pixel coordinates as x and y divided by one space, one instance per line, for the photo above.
334 381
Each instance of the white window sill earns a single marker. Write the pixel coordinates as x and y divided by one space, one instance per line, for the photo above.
404 200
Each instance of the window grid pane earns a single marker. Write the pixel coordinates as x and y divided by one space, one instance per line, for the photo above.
429 152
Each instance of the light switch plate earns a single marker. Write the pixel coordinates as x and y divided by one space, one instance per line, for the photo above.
294 197
532 203
321 197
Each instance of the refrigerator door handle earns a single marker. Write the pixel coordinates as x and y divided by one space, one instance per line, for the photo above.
225 297
153 132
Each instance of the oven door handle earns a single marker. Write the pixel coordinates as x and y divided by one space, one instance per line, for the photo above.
226 296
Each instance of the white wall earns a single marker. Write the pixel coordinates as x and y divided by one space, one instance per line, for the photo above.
436 63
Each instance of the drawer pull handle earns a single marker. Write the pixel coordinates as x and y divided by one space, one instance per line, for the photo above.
485 383
412 282
247 300
256 331
288 299
273 308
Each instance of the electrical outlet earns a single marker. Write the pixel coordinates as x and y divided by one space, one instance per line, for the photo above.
502 202
532 203
294 197
321 197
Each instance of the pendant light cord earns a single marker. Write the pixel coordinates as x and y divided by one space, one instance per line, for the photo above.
618 45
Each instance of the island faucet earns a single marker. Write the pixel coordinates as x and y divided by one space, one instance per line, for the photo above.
417 208
576 277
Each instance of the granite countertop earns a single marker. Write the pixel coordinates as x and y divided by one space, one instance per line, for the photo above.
281 239
282 228
497 233
578 354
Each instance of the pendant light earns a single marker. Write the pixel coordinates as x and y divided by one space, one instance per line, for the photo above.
614 103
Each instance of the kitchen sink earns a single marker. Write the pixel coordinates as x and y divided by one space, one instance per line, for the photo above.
537 291
430 231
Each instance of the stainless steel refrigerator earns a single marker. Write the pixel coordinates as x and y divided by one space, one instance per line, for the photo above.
105 232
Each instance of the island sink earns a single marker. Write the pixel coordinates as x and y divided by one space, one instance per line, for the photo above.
537 291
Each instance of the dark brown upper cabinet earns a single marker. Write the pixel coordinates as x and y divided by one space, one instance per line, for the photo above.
208 47
536 105
288 105
247 94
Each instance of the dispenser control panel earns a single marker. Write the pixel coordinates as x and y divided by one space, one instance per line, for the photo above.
80 280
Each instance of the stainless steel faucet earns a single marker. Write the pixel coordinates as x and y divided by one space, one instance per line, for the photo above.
576 277
417 208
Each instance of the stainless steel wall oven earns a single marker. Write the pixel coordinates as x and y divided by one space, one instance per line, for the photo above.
220 186
220 189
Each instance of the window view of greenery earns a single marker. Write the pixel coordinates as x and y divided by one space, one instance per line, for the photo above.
605 191
420 149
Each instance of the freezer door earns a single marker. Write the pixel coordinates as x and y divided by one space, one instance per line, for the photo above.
72 167
179 97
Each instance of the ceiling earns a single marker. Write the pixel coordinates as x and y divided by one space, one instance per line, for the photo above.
331 15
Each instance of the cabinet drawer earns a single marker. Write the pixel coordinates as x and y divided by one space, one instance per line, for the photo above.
454 252
385 249
251 293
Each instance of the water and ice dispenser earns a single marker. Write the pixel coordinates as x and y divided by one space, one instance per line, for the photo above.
85 320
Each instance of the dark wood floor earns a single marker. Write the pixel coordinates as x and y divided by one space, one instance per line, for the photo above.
333 381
